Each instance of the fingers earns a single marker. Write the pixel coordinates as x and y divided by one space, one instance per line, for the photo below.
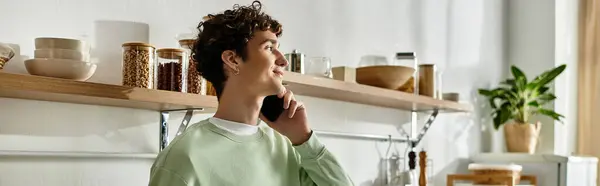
292 109
290 103
287 99
282 93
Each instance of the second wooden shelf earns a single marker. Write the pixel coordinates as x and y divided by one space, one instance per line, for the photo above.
60 90
369 95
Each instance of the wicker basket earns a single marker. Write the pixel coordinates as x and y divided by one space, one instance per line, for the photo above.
496 170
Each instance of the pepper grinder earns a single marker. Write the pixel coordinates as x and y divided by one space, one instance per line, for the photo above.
410 179
422 168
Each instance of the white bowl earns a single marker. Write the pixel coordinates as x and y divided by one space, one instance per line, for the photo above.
60 68
57 53
62 43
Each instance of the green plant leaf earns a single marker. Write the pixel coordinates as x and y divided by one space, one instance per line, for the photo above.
520 78
485 92
517 73
493 102
509 82
533 103
546 97
502 115
535 93
543 90
548 76
550 113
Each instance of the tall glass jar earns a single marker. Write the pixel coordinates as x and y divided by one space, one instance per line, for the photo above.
409 59
172 67
195 83
139 65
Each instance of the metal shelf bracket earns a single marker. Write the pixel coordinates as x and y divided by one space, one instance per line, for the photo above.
425 128
164 125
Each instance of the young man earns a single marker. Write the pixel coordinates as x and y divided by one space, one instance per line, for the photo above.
237 52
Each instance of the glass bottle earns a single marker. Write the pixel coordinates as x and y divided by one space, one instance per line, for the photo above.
139 65
172 68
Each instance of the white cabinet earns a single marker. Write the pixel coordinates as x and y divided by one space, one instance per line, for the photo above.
550 170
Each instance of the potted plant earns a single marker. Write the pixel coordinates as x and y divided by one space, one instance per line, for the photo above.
515 101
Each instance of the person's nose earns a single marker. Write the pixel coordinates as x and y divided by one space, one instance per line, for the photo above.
281 61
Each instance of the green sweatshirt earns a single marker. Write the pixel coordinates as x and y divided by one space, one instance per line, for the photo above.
208 155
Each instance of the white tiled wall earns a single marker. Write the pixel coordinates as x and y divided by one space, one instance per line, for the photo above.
463 37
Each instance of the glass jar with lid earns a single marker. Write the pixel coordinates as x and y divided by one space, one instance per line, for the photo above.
172 67
138 65
195 83
409 59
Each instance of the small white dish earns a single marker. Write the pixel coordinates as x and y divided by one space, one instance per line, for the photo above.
62 43
58 53
61 68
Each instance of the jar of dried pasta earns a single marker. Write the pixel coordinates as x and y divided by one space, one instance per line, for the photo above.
172 64
138 65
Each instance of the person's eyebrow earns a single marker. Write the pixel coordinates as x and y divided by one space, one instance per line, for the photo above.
273 41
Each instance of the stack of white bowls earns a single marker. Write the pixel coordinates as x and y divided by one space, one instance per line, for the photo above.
61 58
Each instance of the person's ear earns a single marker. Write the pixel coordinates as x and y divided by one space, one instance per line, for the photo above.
230 59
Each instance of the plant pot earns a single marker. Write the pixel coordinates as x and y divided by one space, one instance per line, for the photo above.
521 137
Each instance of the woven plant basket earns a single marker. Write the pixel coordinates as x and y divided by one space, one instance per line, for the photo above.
522 138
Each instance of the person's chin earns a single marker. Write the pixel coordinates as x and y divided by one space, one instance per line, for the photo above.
278 88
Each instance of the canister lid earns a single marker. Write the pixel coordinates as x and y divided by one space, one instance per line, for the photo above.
170 53
142 44
187 43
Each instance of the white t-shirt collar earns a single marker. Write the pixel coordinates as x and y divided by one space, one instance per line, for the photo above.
234 127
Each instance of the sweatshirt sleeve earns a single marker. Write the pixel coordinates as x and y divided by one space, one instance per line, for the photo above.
161 177
319 165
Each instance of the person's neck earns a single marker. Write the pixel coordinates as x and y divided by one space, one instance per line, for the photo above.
243 108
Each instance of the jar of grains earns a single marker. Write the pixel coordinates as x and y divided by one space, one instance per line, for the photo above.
139 65
172 64
195 83
194 77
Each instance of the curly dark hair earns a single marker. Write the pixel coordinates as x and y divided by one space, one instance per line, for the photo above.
229 30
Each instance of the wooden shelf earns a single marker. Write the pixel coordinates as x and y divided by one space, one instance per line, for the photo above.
369 95
60 90
68 91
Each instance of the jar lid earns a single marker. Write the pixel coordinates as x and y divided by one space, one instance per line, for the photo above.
172 50
170 53
137 44
187 43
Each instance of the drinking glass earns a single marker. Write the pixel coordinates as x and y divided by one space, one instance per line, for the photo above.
319 66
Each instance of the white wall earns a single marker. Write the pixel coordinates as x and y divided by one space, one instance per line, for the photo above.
463 37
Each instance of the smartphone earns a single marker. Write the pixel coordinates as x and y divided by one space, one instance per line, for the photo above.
272 107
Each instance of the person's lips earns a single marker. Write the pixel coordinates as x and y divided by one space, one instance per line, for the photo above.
278 72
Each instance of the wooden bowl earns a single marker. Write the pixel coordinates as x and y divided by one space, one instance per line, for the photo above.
384 76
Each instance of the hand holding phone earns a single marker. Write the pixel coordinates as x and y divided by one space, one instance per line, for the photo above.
292 124
272 107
